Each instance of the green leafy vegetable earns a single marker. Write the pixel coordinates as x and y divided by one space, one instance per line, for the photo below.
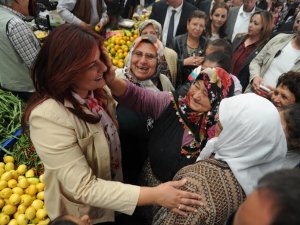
11 108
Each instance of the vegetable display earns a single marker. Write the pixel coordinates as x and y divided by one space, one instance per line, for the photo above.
10 115
24 153
21 184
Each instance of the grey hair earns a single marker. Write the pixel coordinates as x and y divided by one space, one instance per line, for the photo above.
6 2
154 23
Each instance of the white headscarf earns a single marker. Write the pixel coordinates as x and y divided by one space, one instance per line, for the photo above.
252 141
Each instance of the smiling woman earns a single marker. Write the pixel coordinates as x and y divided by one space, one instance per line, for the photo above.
169 60
199 100
92 77
247 147
190 46
74 131
183 124
287 90
143 68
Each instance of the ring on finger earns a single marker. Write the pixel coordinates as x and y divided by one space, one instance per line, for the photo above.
180 206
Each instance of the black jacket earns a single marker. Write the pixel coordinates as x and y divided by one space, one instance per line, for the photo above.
179 45
159 11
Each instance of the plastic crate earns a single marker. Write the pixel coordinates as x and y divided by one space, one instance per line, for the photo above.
10 142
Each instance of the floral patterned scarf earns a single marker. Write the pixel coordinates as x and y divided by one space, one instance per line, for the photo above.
202 124
110 131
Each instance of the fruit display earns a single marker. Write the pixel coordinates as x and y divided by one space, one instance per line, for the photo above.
141 15
21 195
24 153
118 43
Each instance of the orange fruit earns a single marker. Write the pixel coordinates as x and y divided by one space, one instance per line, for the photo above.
112 52
120 64
115 62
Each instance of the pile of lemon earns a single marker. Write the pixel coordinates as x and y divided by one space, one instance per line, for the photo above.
118 46
21 195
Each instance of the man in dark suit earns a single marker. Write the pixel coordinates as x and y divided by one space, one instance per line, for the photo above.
162 12
203 5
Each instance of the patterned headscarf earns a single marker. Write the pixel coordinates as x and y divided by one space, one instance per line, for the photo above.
217 82
201 125
160 52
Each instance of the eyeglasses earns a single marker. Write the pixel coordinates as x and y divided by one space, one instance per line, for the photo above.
149 33
148 56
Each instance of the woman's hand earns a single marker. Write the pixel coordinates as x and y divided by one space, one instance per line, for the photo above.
117 86
199 60
255 83
193 61
178 201
109 75
170 196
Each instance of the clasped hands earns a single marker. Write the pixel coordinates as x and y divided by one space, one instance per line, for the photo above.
193 61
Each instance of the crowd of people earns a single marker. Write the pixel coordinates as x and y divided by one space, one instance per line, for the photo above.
201 126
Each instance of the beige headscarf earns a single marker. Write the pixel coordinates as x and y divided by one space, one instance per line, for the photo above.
154 23
159 49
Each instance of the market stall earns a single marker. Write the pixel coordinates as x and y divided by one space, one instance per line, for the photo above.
118 42
21 170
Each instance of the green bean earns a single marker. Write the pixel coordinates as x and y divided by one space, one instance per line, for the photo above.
10 115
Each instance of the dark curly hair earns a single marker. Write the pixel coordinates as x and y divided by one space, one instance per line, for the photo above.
291 80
